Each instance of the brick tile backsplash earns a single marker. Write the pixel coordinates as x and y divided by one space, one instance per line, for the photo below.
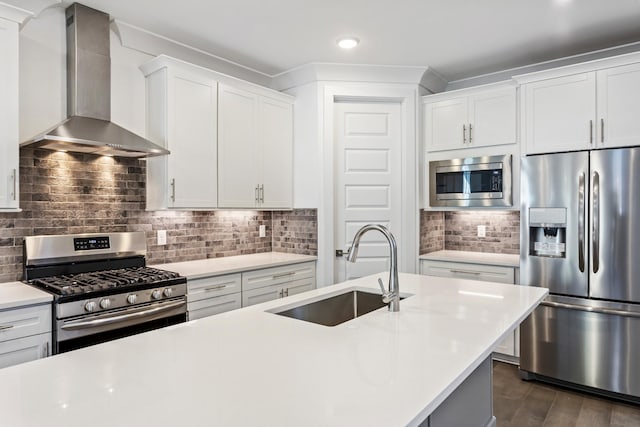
457 230
62 193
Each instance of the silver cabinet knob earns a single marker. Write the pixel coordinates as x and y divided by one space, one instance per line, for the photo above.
90 306
168 292
156 294
131 299
105 303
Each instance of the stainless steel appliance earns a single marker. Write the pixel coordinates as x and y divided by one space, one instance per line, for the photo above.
88 127
580 237
101 288
472 181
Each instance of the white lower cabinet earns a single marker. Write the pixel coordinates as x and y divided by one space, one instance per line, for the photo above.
25 334
509 348
212 295
277 282
207 296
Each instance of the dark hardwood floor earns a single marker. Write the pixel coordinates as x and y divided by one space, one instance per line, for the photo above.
519 403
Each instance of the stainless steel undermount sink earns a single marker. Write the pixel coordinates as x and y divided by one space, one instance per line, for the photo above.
336 309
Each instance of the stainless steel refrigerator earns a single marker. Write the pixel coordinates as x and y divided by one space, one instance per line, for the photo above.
580 237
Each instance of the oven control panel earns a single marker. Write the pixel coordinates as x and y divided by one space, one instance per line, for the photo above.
89 243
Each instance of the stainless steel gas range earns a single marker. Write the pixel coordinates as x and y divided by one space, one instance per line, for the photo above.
101 288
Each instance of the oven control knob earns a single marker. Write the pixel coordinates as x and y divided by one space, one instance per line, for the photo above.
90 306
132 299
168 292
105 303
156 294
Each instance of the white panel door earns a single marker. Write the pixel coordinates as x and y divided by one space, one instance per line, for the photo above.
368 182
445 124
192 141
239 163
560 114
619 106
8 114
276 133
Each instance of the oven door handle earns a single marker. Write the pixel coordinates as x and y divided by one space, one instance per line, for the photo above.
110 319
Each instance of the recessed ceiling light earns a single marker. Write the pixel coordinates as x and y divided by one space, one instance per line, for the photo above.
348 42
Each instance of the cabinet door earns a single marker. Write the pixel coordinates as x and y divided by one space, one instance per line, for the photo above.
445 124
618 106
276 134
239 162
192 129
9 191
256 296
25 349
298 286
559 114
210 306
492 118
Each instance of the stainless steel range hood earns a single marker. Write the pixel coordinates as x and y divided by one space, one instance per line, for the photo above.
89 128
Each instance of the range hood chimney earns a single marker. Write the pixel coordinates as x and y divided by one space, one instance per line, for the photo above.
88 128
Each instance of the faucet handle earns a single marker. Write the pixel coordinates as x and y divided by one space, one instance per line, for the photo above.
384 291
387 296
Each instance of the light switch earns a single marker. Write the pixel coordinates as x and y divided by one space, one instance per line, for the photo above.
482 231
162 237
263 231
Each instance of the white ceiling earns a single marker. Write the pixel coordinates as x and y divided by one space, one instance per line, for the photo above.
457 38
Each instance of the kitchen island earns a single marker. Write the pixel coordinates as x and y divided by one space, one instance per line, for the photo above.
252 367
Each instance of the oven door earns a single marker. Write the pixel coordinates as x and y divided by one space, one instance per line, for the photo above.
82 331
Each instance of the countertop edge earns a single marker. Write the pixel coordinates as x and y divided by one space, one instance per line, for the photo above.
483 258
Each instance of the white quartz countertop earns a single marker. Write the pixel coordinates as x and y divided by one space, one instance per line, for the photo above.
16 294
249 367
233 264
506 260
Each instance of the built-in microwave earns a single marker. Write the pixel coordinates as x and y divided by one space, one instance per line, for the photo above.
470 182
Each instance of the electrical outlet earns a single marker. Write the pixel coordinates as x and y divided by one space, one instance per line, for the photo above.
482 231
263 231
162 237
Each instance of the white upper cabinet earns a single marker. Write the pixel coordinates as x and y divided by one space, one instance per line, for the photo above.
581 111
468 119
182 104
255 150
9 181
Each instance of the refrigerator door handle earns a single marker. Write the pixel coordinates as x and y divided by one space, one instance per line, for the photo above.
590 309
581 215
595 232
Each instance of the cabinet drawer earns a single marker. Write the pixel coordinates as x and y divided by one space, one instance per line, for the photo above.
26 321
211 306
25 349
277 275
208 287
486 273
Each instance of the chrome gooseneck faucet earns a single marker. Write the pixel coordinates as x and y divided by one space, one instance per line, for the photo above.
392 297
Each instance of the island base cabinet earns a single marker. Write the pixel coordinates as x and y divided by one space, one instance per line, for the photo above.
23 350
470 405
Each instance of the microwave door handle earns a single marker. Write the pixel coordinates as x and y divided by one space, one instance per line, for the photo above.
596 222
581 214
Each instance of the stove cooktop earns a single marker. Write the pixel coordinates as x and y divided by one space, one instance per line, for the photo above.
111 281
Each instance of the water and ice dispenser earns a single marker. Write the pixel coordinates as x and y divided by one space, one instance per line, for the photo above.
547 232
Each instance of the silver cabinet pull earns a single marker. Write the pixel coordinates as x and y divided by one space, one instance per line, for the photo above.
288 273
261 193
590 131
14 177
596 222
281 293
464 134
45 350
477 273
286 292
217 287
5 327
602 131
256 192
581 214
173 190
470 133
